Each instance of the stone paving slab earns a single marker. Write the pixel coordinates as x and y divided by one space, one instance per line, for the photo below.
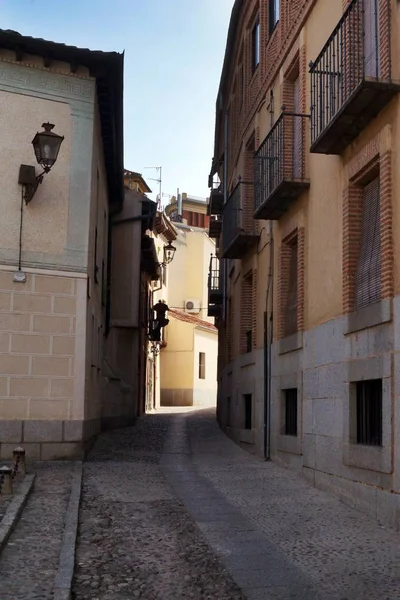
136 540
342 553
15 507
262 566
29 562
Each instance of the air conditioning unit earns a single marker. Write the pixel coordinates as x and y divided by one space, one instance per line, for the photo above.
192 306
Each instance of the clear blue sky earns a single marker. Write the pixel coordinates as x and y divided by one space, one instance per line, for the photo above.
173 58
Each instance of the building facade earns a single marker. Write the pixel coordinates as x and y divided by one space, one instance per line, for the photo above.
54 250
190 210
188 358
304 203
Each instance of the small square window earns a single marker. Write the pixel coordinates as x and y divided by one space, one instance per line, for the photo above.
248 411
369 412
290 424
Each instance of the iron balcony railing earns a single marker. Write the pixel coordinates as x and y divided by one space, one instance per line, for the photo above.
213 275
215 295
358 50
237 220
279 166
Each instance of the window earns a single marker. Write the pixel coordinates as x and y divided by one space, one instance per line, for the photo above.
291 302
368 273
369 412
255 46
273 14
202 365
290 425
249 341
248 409
247 300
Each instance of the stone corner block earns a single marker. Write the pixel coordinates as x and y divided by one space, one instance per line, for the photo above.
73 431
43 431
10 432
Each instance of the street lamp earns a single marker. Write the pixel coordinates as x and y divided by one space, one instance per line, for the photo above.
169 253
46 145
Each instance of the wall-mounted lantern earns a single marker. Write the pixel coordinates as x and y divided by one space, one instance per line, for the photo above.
159 322
169 253
46 145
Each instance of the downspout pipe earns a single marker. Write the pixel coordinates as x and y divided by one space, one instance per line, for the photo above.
269 332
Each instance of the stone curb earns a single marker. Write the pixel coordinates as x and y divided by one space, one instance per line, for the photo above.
65 573
15 509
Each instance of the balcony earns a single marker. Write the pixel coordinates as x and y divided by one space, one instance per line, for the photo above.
215 294
238 225
215 227
279 166
216 201
351 80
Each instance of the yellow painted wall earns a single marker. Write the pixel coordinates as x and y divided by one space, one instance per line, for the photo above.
177 365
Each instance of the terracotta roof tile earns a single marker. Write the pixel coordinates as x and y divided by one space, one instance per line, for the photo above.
182 316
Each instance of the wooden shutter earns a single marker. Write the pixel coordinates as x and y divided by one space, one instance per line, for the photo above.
368 274
371 38
291 304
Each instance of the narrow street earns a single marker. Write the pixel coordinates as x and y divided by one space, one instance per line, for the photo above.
173 509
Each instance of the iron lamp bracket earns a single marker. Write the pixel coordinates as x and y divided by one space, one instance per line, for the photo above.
30 181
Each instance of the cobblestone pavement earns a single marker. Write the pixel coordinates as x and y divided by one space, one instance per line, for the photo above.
174 509
29 562
136 539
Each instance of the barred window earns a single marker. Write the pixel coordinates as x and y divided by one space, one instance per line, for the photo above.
248 411
369 412
290 425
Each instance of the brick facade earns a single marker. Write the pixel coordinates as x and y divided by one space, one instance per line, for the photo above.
296 237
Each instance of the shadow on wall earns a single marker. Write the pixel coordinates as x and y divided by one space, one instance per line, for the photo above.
188 397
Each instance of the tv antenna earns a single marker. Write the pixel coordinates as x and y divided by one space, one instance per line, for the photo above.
159 181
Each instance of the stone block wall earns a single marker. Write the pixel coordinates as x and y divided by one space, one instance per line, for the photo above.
42 364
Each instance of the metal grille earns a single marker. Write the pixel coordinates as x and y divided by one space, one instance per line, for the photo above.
369 412
351 54
248 411
291 303
291 412
237 216
280 157
368 273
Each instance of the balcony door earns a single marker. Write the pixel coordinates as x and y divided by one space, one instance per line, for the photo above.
371 38
297 132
